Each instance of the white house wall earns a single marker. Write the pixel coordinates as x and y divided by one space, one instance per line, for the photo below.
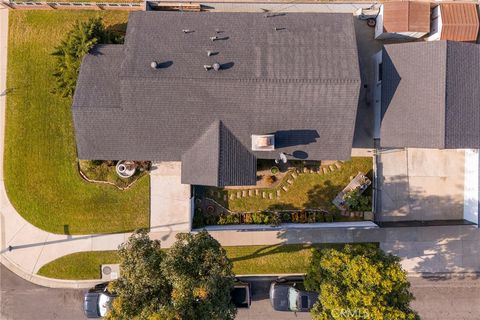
379 23
471 188
435 25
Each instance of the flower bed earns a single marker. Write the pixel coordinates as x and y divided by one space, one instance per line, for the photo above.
274 218
98 171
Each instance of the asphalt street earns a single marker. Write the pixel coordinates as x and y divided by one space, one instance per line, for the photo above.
436 298
22 300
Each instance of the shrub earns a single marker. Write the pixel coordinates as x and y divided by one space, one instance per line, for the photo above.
299 217
211 219
328 217
78 42
274 170
270 179
226 218
275 219
257 218
247 218
286 217
319 216
198 219
311 217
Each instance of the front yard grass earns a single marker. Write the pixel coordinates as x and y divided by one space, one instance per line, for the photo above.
274 259
41 173
308 191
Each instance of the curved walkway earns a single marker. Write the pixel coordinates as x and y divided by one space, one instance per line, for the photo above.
31 247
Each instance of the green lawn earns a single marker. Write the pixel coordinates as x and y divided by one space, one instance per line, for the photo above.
310 190
41 175
246 260
79 266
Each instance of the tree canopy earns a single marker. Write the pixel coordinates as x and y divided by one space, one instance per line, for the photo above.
191 280
359 282
142 287
77 43
201 276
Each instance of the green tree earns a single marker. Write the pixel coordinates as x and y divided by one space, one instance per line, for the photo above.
201 276
69 54
359 282
191 280
142 288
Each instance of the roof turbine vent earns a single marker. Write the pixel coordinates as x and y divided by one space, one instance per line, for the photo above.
216 66
154 64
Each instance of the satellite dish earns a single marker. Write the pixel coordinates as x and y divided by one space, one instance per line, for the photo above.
283 157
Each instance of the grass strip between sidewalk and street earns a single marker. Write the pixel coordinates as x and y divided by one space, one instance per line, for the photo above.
273 259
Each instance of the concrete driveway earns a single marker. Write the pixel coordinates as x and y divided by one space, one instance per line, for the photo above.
421 184
170 204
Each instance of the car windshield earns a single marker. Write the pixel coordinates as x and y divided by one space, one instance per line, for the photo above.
293 298
104 303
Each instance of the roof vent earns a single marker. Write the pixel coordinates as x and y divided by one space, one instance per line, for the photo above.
216 66
154 64
214 38
209 53
187 31
207 67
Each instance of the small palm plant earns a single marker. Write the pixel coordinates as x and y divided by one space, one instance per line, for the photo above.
77 43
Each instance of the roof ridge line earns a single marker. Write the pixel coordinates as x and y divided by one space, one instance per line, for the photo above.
344 80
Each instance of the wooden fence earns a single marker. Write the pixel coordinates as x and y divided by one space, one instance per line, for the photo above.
30 5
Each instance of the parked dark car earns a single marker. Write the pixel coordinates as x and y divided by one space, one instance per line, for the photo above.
289 294
241 294
97 301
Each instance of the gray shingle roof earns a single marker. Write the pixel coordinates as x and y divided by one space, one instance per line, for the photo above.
431 95
300 82
219 159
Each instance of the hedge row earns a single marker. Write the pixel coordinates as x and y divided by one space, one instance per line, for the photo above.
201 219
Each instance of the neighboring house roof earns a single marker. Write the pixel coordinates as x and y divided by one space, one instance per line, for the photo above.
406 16
430 95
218 159
459 21
295 75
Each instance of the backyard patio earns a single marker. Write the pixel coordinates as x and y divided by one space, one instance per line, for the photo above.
301 192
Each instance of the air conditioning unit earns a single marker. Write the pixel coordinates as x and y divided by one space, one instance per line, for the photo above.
263 142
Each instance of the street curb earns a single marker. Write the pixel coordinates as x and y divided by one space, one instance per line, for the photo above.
47 282
444 275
